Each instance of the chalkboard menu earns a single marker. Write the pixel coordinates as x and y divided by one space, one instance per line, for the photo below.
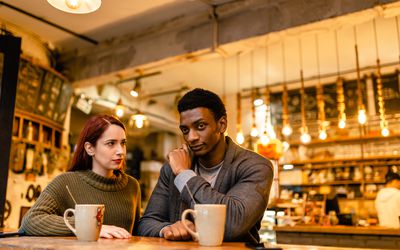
29 79
390 91
42 91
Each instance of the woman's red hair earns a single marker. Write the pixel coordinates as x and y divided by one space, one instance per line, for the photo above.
91 132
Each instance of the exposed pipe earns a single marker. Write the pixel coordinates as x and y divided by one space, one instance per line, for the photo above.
87 39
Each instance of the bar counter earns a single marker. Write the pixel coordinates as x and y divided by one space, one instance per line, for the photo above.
146 243
346 236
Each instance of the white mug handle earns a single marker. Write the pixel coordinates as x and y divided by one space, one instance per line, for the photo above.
66 220
184 214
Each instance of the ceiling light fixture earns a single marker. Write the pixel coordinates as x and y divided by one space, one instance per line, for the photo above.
76 6
119 108
136 88
139 119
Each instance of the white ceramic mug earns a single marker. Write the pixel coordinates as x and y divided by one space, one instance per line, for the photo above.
209 220
88 221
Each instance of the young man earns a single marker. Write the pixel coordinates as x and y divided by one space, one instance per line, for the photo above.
211 168
387 201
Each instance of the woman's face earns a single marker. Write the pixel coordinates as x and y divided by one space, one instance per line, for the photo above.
109 152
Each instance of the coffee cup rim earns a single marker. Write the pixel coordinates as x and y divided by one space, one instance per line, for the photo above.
211 205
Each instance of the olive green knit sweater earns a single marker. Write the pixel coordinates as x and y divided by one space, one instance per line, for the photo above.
120 195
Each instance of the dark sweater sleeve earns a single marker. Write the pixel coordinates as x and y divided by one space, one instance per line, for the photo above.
246 201
157 211
44 218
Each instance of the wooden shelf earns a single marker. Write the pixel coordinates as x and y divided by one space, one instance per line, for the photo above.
355 139
337 161
334 183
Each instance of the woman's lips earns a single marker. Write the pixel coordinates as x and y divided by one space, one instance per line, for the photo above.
117 161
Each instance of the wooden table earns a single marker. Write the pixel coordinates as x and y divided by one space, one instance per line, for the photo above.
142 243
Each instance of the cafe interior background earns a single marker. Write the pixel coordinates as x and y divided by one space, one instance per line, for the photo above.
326 73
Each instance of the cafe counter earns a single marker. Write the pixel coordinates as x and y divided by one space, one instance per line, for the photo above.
146 243
345 236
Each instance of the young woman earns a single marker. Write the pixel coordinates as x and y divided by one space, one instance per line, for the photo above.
96 177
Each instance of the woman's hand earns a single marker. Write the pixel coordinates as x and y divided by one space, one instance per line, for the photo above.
111 232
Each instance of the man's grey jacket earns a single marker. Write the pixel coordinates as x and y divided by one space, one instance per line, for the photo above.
243 184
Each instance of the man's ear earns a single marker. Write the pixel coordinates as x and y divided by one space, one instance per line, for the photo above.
89 148
223 124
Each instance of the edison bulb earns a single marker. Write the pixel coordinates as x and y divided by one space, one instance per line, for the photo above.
362 116
264 139
305 138
119 111
287 130
240 138
342 124
322 135
385 132
254 132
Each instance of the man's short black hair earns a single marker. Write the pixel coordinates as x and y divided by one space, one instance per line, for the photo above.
202 98
390 176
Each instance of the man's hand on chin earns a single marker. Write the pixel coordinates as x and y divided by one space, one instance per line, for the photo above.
179 159
177 231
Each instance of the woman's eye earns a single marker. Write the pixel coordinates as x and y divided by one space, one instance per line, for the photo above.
201 126
110 143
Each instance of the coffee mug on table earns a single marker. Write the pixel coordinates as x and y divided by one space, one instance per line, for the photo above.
88 221
209 220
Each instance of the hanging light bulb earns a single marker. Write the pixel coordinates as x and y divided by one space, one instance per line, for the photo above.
362 116
322 135
385 132
362 113
322 124
136 89
287 130
240 137
264 138
254 131
76 6
119 108
341 107
139 119
342 123
305 136
258 101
